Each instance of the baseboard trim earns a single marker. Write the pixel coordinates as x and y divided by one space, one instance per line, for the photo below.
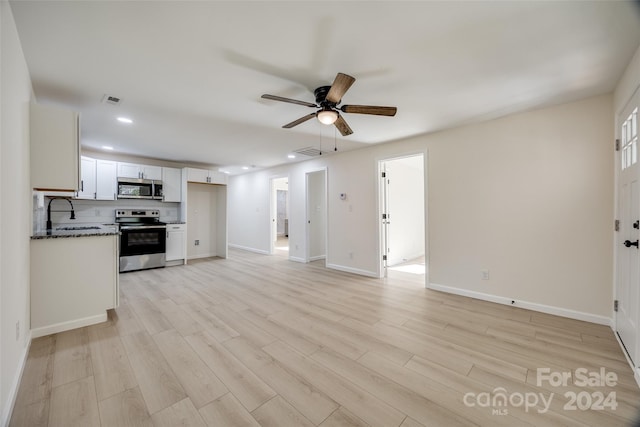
558 311
317 258
13 391
246 248
297 259
66 326
353 270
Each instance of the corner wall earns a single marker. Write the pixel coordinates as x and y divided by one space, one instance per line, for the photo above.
15 210
527 196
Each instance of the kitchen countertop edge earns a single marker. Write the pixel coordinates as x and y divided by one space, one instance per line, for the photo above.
64 234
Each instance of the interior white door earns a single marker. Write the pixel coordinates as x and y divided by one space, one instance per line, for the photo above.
628 259
386 217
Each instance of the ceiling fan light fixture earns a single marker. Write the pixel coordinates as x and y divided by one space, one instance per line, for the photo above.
327 116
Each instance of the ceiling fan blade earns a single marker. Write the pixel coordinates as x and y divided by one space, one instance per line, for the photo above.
369 109
340 85
342 126
292 101
300 120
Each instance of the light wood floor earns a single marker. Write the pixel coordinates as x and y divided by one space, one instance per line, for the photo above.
259 340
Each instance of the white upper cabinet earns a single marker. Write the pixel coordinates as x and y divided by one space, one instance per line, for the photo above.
55 148
87 188
152 172
171 184
97 179
106 180
132 170
206 176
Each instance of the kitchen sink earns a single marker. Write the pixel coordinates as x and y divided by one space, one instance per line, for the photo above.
81 227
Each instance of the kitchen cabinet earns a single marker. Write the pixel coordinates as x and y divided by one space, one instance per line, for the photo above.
206 176
171 185
55 148
176 248
74 281
87 188
132 170
97 179
106 180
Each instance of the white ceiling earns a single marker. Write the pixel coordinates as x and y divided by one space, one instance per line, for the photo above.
190 74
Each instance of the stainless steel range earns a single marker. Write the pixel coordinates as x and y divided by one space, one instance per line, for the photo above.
142 239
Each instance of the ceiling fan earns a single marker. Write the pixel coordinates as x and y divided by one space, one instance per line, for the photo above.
327 100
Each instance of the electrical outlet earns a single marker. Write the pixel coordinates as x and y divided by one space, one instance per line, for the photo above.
197 243
17 330
484 274
350 255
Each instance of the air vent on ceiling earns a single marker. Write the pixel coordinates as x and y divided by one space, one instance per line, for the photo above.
309 151
110 99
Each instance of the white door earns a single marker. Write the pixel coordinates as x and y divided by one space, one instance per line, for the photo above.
628 262
385 216
316 216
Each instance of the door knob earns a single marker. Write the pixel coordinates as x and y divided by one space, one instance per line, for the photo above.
629 243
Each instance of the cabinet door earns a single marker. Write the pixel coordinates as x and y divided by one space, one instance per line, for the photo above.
151 172
106 181
175 244
172 184
129 170
218 177
55 148
87 178
197 175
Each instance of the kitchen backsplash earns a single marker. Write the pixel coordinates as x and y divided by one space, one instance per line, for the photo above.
97 211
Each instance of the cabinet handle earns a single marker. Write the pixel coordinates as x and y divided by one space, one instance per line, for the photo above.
81 185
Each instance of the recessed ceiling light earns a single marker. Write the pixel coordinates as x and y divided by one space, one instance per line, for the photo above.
245 167
291 156
107 147
227 172
125 120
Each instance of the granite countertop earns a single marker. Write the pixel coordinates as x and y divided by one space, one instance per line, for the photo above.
175 222
80 230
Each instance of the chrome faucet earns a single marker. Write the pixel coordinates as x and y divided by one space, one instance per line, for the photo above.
73 214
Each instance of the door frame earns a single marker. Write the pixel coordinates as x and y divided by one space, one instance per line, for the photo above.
273 210
307 207
379 162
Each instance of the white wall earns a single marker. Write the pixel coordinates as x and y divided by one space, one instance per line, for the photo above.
15 208
528 196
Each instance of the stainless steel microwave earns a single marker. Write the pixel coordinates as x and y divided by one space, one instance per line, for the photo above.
134 188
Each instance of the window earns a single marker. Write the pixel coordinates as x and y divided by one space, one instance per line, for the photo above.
630 140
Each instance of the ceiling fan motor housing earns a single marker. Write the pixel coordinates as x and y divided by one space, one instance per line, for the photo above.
321 97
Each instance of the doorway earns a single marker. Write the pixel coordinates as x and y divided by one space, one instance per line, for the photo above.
280 216
402 214
627 299
316 191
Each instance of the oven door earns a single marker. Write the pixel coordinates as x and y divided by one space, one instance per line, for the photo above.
142 246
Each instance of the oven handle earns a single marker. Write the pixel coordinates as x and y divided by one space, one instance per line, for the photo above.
143 227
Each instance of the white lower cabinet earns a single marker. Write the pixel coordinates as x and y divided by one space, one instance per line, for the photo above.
176 248
74 281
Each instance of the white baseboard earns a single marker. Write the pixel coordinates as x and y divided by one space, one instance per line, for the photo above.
297 259
245 248
15 385
354 270
66 326
316 258
558 311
